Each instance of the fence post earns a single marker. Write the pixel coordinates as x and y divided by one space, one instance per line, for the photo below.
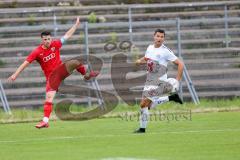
227 38
4 100
85 26
130 23
186 76
179 49
93 83
55 24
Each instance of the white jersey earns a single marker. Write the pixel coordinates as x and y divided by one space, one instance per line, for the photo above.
157 60
162 54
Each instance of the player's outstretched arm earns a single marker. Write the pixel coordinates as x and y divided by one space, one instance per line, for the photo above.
18 71
180 65
140 61
70 32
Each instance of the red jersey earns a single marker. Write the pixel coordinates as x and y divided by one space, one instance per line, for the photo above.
49 58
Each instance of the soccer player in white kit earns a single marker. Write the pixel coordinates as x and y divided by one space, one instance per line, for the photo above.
157 83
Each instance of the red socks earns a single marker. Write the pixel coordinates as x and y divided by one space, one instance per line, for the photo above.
47 109
81 69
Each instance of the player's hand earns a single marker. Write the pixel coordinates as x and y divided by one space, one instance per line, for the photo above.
77 21
138 62
12 78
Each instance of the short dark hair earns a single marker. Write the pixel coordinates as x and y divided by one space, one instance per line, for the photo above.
45 33
160 31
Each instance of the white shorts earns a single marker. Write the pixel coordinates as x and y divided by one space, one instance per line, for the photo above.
167 87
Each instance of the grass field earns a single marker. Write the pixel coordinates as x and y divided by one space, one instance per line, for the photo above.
206 136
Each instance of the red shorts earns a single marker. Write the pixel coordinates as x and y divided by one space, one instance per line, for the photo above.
56 77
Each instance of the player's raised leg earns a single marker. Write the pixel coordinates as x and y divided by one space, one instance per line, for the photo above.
79 66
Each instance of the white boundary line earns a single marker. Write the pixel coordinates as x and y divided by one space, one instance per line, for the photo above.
125 158
47 139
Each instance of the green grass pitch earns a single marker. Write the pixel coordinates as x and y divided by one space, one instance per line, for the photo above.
208 136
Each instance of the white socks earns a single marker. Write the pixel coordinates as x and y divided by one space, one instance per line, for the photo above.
45 119
159 100
144 117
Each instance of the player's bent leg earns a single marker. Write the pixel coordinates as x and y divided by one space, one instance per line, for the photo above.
76 64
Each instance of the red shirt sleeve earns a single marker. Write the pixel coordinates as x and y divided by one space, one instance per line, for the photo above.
32 56
58 43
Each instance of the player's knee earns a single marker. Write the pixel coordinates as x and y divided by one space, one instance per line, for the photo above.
145 103
49 98
142 105
75 63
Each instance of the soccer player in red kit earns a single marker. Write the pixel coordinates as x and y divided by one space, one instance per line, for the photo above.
47 54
